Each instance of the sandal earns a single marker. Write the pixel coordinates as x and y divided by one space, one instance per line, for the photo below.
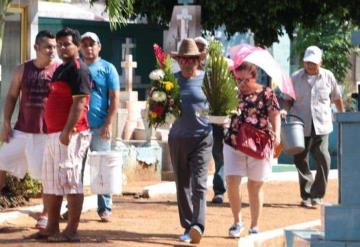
41 222
37 236
63 238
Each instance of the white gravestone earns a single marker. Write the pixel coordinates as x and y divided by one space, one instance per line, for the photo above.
127 50
128 65
184 18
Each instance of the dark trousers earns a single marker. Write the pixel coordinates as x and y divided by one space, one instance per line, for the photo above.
317 145
217 152
190 158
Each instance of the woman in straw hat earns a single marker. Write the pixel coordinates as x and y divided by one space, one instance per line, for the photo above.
190 142
259 107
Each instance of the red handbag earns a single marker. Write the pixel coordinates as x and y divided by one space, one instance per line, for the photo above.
254 142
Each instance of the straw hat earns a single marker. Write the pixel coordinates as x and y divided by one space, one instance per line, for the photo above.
188 48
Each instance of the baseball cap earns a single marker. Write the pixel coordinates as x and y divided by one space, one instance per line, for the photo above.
201 40
91 35
313 54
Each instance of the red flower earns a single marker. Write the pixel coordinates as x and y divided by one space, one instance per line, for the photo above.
159 54
159 110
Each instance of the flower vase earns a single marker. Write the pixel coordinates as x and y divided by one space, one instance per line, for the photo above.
220 120
148 131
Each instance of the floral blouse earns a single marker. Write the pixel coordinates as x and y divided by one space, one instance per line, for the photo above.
254 109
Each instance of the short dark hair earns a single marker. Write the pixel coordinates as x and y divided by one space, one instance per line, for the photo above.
43 34
67 31
251 68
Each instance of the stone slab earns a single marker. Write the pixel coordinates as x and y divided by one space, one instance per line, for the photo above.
342 223
128 96
355 38
142 160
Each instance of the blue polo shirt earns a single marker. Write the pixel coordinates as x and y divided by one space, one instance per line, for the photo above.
193 121
105 77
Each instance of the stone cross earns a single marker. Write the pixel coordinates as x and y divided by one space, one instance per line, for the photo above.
128 66
185 2
126 48
184 18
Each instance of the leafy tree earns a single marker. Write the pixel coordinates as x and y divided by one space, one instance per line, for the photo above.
119 11
266 19
332 35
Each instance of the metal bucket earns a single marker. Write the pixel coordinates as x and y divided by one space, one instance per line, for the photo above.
292 134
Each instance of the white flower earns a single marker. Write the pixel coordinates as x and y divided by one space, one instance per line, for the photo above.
170 118
162 96
157 75
158 96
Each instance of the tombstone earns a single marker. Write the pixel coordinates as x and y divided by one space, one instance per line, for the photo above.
340 222
126 49
128 66
129 98
185 22
183 29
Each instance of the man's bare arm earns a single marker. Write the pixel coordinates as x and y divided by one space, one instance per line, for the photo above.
114 96
74 116
10 102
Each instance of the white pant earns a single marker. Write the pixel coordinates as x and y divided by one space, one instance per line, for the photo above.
24 152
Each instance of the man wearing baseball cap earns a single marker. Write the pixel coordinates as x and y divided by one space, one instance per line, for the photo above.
315 88
104 102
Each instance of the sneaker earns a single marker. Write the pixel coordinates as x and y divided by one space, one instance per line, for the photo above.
218 199
316 201
254 230
235 230
105 216
41 223
306 203
185 237
195 234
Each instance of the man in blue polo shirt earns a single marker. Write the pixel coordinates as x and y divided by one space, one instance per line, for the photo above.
104 102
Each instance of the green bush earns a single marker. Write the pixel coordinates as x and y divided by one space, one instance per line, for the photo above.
18 191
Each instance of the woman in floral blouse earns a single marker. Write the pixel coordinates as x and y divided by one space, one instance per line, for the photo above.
259 107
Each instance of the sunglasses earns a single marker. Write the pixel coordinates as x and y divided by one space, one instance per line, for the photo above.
187 60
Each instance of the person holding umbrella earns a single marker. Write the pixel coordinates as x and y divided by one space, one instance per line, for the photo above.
259 108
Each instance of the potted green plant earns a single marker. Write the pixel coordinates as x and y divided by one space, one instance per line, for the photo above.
219 84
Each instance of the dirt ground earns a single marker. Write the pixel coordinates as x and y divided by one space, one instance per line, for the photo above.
155 222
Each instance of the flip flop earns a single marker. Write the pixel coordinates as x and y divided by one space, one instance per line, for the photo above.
63 238
41 222
37 236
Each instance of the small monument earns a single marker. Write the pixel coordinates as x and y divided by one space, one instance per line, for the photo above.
185 22
129 98
183 28
127 50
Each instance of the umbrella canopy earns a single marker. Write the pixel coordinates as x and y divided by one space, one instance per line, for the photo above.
263 59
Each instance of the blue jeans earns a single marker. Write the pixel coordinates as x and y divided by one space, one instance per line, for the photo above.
98 144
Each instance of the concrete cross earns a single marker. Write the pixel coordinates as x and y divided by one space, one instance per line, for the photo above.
184 18
128 66
185 2
126 48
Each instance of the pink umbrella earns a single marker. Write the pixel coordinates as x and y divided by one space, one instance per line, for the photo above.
263 59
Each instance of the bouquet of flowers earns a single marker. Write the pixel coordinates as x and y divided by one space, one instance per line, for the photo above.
164 97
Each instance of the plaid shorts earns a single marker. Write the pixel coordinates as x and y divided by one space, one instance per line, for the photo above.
63 164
